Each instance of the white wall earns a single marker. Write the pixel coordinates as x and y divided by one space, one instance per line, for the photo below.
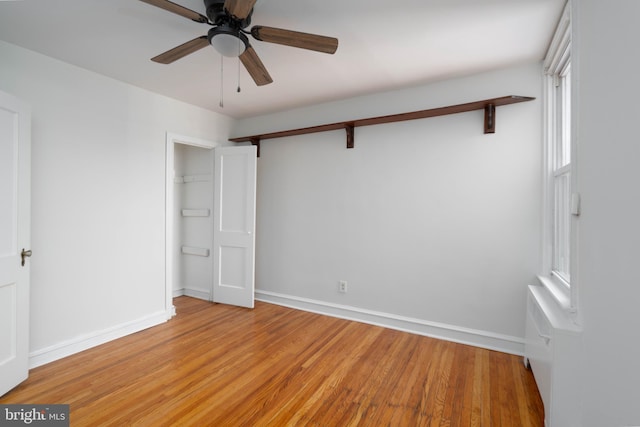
98 164
608 277
428 219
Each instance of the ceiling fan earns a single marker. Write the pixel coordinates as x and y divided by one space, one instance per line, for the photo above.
228 35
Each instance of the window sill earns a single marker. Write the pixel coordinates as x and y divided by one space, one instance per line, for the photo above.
558 291
553 297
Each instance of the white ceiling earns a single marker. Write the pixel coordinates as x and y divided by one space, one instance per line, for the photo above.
383 45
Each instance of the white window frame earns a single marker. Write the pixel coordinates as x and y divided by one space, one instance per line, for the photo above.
559 138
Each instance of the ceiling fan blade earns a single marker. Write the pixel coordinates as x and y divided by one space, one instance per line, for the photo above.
178 10
296 39
239 8
255 67
181 51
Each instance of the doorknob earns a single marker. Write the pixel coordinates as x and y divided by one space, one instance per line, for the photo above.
24 254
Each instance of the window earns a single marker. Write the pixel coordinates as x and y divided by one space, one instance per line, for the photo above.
561 177
558 159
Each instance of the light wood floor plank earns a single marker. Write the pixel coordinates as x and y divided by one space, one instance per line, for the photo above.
216 365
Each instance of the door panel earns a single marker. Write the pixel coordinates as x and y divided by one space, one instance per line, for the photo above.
15 155
233 260
233 218
8 313
234 225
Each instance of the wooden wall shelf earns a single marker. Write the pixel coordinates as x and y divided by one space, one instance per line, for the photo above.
488 105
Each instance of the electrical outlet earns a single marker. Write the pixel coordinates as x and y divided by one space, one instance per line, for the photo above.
342 286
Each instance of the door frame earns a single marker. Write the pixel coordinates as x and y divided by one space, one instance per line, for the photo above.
171 140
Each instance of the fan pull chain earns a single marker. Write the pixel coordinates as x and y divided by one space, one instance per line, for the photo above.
221 81
239 53
238 75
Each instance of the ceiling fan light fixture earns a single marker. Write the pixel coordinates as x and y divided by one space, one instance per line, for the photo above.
228 41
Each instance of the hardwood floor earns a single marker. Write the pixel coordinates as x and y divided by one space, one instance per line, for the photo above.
216 365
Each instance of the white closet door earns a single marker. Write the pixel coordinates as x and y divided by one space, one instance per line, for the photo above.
234 225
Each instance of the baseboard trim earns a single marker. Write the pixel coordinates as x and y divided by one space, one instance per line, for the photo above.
478 338
194 293
76 345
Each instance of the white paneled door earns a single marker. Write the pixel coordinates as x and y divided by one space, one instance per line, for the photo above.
234 225
15 153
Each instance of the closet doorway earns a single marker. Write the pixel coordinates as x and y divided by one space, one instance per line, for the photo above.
210 221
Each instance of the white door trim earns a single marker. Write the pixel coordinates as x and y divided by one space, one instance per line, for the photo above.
171 140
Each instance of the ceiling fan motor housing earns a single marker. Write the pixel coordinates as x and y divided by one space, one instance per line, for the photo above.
219 16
